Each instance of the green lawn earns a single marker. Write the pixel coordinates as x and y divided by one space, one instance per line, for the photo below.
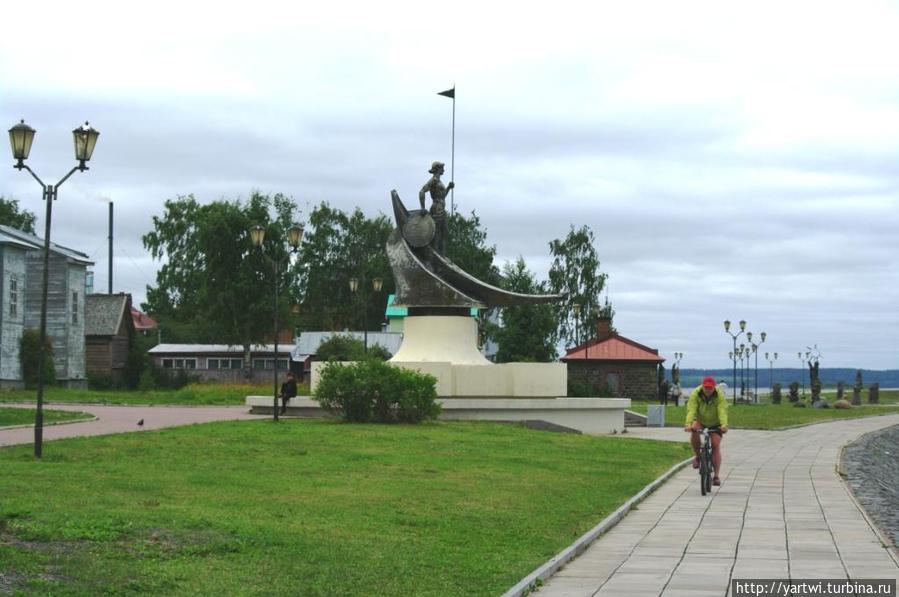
886 396
772 416
193 394
309 507
25 416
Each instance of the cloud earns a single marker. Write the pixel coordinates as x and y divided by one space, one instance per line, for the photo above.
732 163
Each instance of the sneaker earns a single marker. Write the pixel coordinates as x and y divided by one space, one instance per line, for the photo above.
716 481
696 462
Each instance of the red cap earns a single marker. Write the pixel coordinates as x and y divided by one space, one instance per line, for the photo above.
708 382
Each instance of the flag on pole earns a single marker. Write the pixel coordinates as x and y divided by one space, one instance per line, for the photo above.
449 93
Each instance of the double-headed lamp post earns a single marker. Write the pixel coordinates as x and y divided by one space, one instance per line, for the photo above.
376 285
735 336
257 237
21 136
770 370
755 349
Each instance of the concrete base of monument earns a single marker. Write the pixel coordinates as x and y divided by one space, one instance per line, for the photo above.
507 380
595 416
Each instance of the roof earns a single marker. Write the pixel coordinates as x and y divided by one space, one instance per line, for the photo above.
308 342
142 321
216 348
14 236
103 313
613 348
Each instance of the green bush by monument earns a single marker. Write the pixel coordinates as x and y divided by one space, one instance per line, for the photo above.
373 391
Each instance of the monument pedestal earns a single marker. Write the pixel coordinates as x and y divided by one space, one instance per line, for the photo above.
445 346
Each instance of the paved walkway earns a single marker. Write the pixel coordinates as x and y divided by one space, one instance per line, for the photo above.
781 512
119 419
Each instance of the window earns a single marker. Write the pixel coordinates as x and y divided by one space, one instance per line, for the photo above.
612 382
179 363
13 296
74 307
224 363
283 364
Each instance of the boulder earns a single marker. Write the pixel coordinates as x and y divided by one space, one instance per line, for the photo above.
820 404
842 404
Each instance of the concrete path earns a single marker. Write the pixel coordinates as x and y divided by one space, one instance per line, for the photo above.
782 511
120 419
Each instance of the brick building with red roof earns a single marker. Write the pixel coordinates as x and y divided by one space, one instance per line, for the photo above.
613 365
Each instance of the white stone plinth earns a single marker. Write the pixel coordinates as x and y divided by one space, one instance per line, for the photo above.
440 339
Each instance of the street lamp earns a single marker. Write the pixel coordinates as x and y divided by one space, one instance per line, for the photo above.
376 285
21 136
257 237
755 349
742 357
734 336
770 370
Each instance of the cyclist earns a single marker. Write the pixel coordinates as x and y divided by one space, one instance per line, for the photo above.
707 407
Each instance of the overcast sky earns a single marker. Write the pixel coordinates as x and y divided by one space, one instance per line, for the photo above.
735 160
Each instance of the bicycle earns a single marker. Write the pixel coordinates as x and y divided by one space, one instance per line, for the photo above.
705 458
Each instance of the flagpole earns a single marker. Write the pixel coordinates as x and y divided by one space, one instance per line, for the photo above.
451 93
453 157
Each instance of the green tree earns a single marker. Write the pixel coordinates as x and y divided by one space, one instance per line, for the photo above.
527 333
575 271
213 282
338 246
467 247
11 215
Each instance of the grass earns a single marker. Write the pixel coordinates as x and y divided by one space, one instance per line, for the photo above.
772 416
25 416
193 394
309 507
886 396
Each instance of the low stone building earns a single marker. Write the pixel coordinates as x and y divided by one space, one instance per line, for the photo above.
615 366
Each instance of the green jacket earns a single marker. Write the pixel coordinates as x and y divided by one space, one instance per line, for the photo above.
711 413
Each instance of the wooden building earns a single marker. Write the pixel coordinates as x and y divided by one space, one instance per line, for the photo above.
613 365
109 334
21 284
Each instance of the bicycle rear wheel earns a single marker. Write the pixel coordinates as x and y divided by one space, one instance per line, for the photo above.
707 477
703 471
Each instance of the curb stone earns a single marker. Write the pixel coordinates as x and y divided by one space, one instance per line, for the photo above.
547 569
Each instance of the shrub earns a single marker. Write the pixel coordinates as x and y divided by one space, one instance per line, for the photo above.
348 348
372 390
98 381
146 383
29 355
340 348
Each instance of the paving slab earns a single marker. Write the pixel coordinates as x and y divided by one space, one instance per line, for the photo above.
782 511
